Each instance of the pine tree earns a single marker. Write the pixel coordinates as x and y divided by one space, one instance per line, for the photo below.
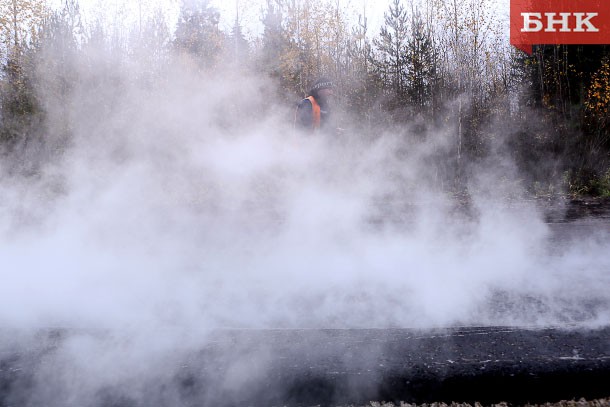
197 33
392 51
420 64
238 46
274 41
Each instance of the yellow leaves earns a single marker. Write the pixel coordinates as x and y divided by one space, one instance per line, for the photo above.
316 34
19 20
597 100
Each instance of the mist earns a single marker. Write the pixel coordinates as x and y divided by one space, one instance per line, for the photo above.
188 205
182 203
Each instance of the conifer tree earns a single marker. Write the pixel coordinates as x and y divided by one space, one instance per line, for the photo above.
238 46
420 64
392 51
197 33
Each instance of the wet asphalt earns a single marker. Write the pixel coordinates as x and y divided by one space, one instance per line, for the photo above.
342 367
336 367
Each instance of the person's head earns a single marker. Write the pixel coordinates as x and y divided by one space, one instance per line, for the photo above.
322 89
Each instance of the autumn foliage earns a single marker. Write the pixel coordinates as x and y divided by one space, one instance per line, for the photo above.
433 67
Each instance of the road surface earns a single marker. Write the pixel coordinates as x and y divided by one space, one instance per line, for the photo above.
347 366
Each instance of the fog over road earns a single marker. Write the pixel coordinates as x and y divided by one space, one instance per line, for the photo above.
169 238
301 367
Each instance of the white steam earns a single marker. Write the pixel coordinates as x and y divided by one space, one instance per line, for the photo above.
192 203
189 204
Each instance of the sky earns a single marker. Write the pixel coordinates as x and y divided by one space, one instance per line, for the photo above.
249 11
374 9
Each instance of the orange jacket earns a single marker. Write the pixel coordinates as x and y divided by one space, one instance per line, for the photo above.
316 112
315 117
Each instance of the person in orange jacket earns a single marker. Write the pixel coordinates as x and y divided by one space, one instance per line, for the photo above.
312 112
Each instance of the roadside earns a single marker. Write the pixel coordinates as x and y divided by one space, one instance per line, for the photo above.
564 403
571 210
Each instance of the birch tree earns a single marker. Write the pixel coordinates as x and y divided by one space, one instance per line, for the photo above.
19 23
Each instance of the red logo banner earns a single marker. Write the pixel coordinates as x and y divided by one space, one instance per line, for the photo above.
559 22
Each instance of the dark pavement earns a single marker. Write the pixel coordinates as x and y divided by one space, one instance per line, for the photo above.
333 367
354 366
339 367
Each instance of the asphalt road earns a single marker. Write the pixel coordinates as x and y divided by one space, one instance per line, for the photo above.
334 367
340 367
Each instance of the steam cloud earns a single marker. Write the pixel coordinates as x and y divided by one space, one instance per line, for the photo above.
190 205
